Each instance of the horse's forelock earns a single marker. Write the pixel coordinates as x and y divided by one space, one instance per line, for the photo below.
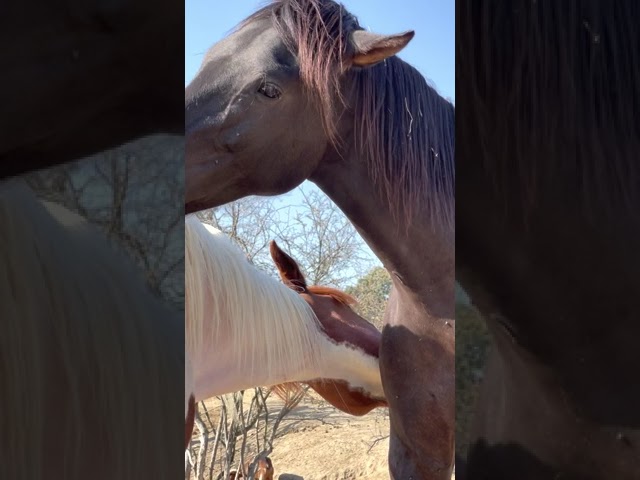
317 31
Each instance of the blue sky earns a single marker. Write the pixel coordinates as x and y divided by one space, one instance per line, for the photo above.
432 50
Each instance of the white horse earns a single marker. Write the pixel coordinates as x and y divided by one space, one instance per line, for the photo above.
89 357
245 329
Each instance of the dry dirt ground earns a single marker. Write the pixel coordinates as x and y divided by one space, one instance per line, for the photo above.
318 442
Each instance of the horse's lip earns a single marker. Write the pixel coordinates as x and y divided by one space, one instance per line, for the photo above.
381 400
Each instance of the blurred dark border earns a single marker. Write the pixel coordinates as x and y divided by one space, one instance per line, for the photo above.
547 235
92 120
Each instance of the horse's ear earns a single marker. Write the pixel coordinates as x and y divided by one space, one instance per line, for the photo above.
372 48
287 268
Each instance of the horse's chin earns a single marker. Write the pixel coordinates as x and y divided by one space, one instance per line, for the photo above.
210 186
358 410
346 399
211 176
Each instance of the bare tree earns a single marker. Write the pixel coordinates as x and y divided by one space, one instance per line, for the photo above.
231 436
249 223
134 194
314 232
324 242
372 293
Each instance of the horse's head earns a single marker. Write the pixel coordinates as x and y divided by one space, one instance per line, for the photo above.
265 469
341 324
268 103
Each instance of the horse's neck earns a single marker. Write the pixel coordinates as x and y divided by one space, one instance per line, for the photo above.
223 367
420 258
222 371
358 369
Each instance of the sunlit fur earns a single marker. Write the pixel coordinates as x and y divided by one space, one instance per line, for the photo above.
247 306
255 324
91 343
336 294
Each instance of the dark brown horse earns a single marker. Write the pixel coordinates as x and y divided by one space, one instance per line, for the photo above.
82 77
548 231
300 91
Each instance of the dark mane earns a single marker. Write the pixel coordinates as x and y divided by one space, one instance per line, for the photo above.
566 84
316 32
403 128
334 293
406 131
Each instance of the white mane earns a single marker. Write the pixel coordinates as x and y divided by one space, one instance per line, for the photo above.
235 307
100 353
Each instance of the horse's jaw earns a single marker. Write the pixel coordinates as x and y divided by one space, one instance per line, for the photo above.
211 178
350 379
346 399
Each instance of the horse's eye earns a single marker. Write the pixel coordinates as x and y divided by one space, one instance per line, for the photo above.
270 90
